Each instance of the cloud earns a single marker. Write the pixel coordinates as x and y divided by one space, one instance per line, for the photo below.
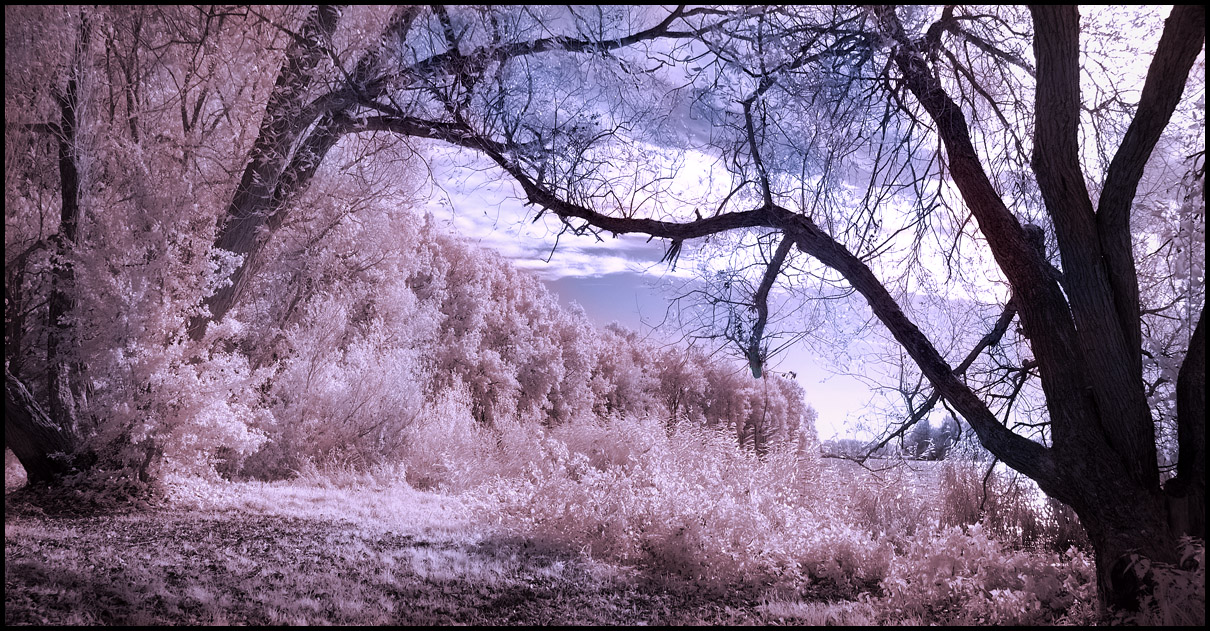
483 204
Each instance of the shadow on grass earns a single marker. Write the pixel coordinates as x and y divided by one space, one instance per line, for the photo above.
174 567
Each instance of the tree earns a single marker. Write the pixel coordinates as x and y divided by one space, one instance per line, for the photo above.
889 85
337 79
919 442
926 442
835 145
139 109
31 427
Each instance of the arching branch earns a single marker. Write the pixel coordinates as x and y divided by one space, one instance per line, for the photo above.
989 339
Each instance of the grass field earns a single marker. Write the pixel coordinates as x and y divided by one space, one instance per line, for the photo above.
296 554
327 549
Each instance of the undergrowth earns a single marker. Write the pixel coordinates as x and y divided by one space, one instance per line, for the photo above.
786 536
686 502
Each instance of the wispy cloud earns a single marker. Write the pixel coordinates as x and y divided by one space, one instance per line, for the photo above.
483 204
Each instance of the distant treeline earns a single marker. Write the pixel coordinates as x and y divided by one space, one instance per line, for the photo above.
922 441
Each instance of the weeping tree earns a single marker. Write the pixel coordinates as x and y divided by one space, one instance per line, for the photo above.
880 151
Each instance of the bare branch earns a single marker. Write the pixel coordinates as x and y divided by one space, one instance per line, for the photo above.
756 356
989 339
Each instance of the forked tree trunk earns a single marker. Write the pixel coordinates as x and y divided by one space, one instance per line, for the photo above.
274 171
63 277
1086 334
45 441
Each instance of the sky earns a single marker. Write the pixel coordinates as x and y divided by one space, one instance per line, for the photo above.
622 279
614 280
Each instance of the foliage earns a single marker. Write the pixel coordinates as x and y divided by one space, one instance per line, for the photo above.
968 578
392 320
1176 593
221 279
691 504
1008 506
99 490
925 442
141 262
686 502
891 504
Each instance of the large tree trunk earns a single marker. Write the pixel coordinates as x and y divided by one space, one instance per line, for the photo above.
1086 334
1124 521
45 438
1114 456
61 301
1119 541
44 447
295 136
46 441
256 205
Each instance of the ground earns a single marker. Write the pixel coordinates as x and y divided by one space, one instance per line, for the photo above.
396 556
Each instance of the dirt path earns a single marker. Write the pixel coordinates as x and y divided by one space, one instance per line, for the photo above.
238 567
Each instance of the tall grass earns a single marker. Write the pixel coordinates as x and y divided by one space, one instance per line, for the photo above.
1009 506
686 501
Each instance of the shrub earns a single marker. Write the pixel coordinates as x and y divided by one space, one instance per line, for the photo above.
958 577
690 503
1008 505
890 507
439 450
1179 594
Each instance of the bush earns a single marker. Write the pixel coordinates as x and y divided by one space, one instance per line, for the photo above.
1179 594
958 577
1010 507
890 506
689 503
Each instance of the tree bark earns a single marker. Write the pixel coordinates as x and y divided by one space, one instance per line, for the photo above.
287 119
15 299
1125 524
1120 503
45 441
44 447
295 136
1186 493
63 278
